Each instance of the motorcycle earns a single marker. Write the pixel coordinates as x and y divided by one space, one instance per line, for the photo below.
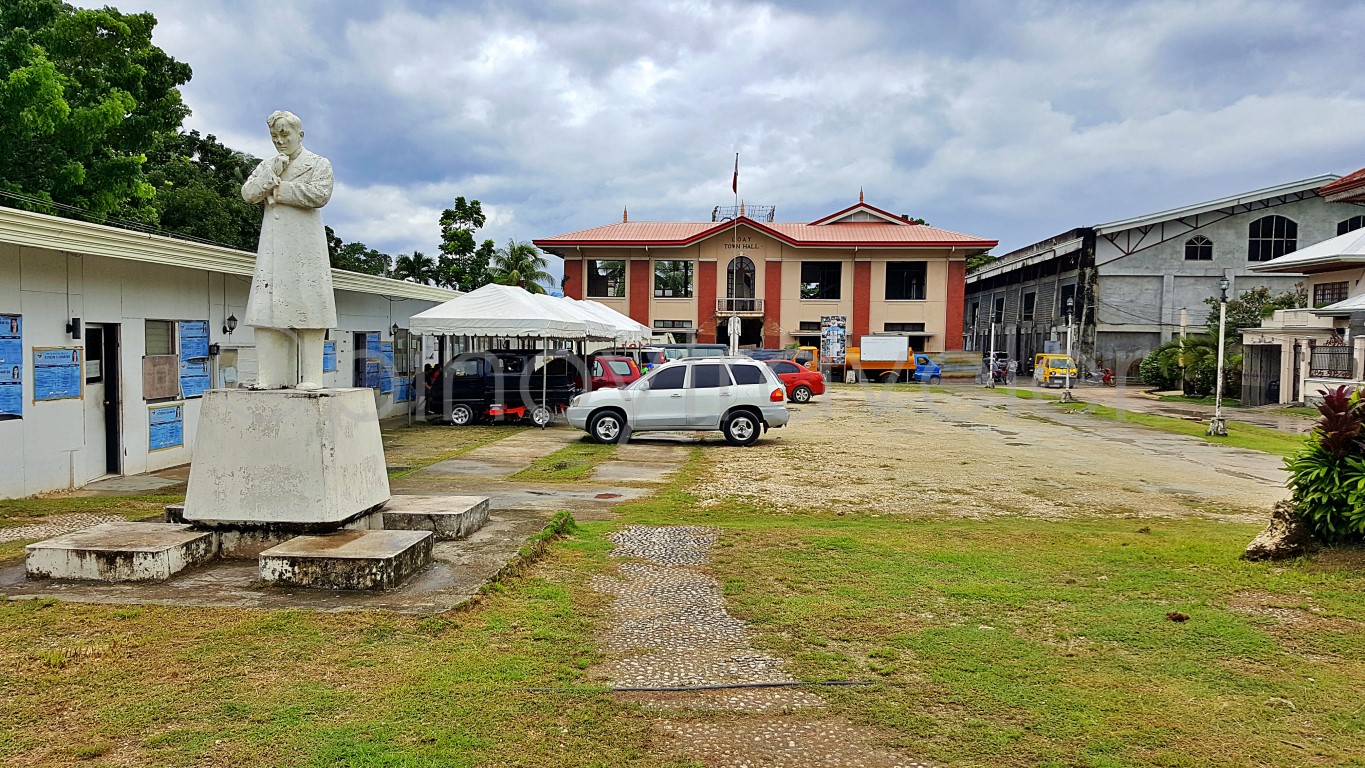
1103 377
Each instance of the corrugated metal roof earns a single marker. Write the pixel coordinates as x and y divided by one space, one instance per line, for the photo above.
1344 184
38 230
680 233
1213 205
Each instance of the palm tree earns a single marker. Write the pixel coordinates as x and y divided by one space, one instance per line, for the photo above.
520 264
417 268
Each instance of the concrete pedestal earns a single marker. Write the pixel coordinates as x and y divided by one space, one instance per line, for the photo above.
120 552
347 559
448 517
286 460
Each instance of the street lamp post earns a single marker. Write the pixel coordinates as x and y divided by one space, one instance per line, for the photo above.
1067 397
1216 426
990 361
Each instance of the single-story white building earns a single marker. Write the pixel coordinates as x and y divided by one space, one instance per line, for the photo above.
109 336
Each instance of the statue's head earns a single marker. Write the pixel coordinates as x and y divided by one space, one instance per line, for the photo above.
286 131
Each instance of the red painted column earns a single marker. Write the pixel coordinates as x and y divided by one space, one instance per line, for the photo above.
862 301
706 302
772 304
576 287
638 291
957 292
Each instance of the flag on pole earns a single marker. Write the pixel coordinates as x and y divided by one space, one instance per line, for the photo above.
734 180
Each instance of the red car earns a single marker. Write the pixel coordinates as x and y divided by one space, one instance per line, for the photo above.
802 384
612 371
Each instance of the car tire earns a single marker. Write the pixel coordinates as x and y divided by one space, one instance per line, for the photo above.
541 416
461 415
606 427
935 379
741 428
801 394
890 377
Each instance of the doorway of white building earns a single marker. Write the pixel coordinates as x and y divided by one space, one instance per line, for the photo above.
103 401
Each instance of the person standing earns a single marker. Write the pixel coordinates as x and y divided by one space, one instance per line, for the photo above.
291 304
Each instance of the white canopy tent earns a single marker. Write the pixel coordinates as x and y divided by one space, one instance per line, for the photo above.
501 311
625 330
597 328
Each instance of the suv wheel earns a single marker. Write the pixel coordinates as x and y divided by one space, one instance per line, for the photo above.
741 428
606 427
801 394
540 416
461 415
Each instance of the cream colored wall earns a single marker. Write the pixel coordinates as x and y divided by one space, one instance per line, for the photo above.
1352 276
755 245
794 308
673 308
933 311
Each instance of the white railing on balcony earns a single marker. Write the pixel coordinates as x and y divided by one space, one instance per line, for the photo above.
739 306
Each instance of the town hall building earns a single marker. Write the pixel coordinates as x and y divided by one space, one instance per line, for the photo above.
884 273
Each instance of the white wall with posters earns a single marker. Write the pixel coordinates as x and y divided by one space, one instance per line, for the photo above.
64 439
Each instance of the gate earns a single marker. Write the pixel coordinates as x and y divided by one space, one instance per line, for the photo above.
1260 374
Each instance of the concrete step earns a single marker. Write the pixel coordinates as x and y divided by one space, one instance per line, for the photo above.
448 517
120 552
347 559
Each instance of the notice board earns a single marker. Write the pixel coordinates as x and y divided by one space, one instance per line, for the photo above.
11 366
165 426
58 373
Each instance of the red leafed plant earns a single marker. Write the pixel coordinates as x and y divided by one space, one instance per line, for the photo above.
1328 476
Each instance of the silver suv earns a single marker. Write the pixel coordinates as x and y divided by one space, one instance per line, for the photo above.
736 395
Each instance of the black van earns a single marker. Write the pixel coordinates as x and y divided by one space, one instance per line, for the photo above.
503 385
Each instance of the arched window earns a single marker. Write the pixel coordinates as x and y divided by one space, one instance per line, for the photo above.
1199 248
1270 237
1350 225
740 283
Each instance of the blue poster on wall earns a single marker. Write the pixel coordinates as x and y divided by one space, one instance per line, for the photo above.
11 366
194 377
329 356
402 389
57 373
194 357
386 367
165 427
373 360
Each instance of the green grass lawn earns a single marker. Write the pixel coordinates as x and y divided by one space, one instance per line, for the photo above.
1240 434
568 464
1231 402
1008 642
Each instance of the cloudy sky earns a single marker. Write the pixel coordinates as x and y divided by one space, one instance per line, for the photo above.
1008 120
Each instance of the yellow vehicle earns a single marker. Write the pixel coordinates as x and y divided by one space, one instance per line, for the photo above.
1051 370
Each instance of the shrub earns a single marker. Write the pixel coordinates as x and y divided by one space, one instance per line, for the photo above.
1327 478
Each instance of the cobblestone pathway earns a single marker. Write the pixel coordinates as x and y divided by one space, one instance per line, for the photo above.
55 526
670 629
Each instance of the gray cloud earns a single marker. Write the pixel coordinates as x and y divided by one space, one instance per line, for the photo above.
1007 121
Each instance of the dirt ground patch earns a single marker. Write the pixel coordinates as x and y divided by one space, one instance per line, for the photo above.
879 451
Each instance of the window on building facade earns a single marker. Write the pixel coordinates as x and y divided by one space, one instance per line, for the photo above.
1270 237
905 280
672 323
1350 225
1030 301
903 327
809 325
820 279
673 279
1199 248
998 316
1329 293
606 279
160 337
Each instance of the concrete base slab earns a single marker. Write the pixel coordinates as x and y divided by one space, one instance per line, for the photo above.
119 552
448 517
286 457
347 559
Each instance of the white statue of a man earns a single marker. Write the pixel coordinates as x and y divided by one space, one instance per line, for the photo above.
291 305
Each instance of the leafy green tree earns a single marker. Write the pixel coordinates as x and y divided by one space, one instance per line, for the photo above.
978 261
198 185
1250 307
521 264
358 257
417 268
463 265
83 96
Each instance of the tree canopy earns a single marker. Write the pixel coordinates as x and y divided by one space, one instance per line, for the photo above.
1250 307
521 264
463 265
84 95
